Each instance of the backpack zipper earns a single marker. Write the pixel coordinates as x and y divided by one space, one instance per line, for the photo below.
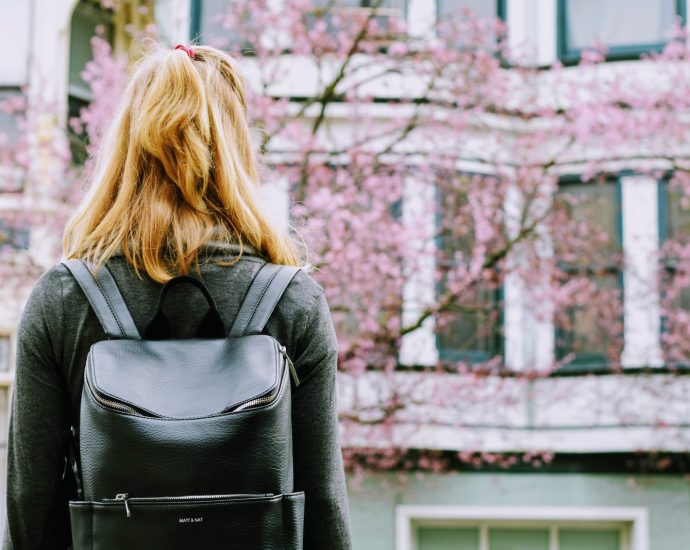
269 398
126 499
260 400
109 402
293 371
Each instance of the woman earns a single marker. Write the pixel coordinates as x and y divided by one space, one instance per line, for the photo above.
174 191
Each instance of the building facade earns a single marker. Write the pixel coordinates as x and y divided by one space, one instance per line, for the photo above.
599 492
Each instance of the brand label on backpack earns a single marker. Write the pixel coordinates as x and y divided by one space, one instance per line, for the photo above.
191 520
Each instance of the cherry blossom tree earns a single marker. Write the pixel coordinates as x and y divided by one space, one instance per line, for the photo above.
442 154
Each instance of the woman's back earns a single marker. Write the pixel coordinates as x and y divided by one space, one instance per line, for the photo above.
59 327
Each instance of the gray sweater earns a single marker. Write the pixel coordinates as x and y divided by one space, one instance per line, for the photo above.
56 331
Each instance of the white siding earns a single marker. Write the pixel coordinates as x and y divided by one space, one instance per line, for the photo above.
16 32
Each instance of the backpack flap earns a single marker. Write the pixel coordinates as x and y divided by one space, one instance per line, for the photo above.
185 378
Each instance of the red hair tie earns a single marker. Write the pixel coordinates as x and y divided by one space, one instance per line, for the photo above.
189 51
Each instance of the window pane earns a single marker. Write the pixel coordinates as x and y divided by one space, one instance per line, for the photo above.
677 215
518 539
13 237
472 336
87 17
676 227
4 353
386 10
8 121
595 206
585 337
385 4
469 329
576 539
481 8
11 175
212 30
590 331
617 22
447 538
451 23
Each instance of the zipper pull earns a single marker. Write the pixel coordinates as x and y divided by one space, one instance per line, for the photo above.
124 497
293 371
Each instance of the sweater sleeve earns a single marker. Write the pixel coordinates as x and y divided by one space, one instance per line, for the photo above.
37 512
318 460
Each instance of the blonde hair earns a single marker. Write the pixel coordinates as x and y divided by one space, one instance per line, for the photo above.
175 165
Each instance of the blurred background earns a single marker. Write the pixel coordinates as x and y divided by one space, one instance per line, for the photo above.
495 195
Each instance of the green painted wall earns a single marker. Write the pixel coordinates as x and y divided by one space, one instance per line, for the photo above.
666 497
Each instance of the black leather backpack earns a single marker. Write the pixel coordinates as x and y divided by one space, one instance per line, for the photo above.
185 443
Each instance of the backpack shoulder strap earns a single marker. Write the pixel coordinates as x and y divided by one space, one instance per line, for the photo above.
105 299
261 299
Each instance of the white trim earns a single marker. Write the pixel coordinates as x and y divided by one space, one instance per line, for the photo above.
275 197
173 18
421 17
516 318
15 28
541 329
547 26
522 18
483 438
640 212
529 332
49 65
48 91
406 516
483 537
514 313
553 538
491 413
418 204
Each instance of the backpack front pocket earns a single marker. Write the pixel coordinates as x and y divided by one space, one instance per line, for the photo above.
212 522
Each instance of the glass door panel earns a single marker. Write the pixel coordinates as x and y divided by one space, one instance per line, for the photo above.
580 539
448 538
518 539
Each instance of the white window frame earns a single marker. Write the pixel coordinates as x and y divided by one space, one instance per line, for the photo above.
16 29
641 304
634 521
419 347
532 30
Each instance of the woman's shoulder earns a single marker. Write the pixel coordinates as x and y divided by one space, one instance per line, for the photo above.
44 312
303 293
306 280
50 285
307 300
57 283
